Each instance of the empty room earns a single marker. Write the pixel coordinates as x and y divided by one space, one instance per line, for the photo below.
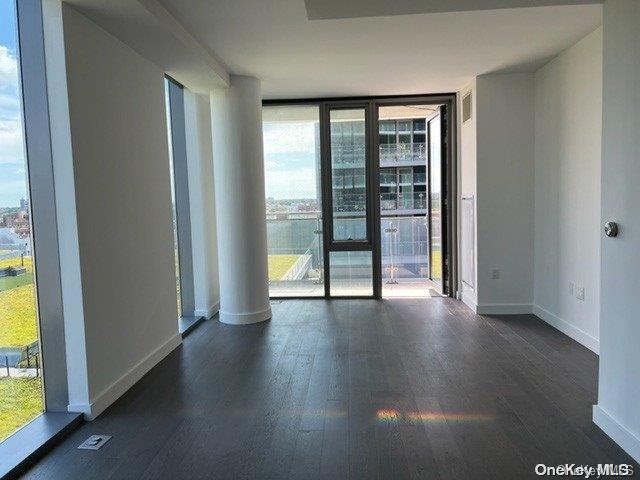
319 239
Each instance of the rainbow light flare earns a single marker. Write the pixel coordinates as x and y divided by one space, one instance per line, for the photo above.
387 416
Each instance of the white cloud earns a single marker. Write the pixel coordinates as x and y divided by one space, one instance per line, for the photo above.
299 183
11 146
8 69
9 104
289 137
272 164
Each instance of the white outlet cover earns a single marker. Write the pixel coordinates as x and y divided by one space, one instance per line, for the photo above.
94 442
580 293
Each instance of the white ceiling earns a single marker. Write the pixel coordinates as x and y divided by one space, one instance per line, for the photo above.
323 9
402 54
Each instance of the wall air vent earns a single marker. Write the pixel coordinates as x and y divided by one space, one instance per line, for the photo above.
466 107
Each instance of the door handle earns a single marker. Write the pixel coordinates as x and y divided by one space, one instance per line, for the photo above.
611 229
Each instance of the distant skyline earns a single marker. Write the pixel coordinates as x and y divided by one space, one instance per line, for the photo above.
13 185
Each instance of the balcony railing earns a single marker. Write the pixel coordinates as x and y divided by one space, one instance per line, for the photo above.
348 156
392 201
403 152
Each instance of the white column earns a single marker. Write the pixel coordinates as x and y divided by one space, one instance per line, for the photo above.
236 122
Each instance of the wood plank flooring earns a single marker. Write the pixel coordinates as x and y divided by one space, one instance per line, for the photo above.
358 389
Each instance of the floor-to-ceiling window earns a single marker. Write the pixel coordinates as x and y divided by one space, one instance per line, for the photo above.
173 197
174 98
293 190
21 397
379 164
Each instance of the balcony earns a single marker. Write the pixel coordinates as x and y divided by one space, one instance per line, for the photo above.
403 153
392 201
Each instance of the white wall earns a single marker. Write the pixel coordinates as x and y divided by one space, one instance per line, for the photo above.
505 139
62 154
202 204
123 198
618 409
568 139
467 183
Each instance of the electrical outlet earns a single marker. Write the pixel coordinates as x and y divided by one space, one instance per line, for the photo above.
580 293
495 273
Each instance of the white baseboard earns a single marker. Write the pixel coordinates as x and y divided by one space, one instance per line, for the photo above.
207 313
503 309
568 329
469 301
245 318
629 441
125 382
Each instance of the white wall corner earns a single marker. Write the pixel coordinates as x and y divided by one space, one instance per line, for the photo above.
207 312
469 301
624 437
108 396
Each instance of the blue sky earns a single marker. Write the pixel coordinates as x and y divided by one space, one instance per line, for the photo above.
12 171
290 160
289 147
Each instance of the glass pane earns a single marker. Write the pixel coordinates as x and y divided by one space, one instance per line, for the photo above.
404 255
419 125
405 190
351 273
404 126
292 184
20 368
173 197
348 172
435 163
388 126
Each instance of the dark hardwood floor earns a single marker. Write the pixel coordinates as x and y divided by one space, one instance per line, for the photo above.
357 389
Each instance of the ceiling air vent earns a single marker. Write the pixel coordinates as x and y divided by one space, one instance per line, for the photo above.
466 107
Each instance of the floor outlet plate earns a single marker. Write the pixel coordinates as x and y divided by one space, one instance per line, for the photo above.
94 442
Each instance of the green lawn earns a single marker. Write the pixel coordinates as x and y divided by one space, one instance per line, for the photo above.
15 262
17 306
279 265
7 283
436 262
18 317
20 398
20 401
